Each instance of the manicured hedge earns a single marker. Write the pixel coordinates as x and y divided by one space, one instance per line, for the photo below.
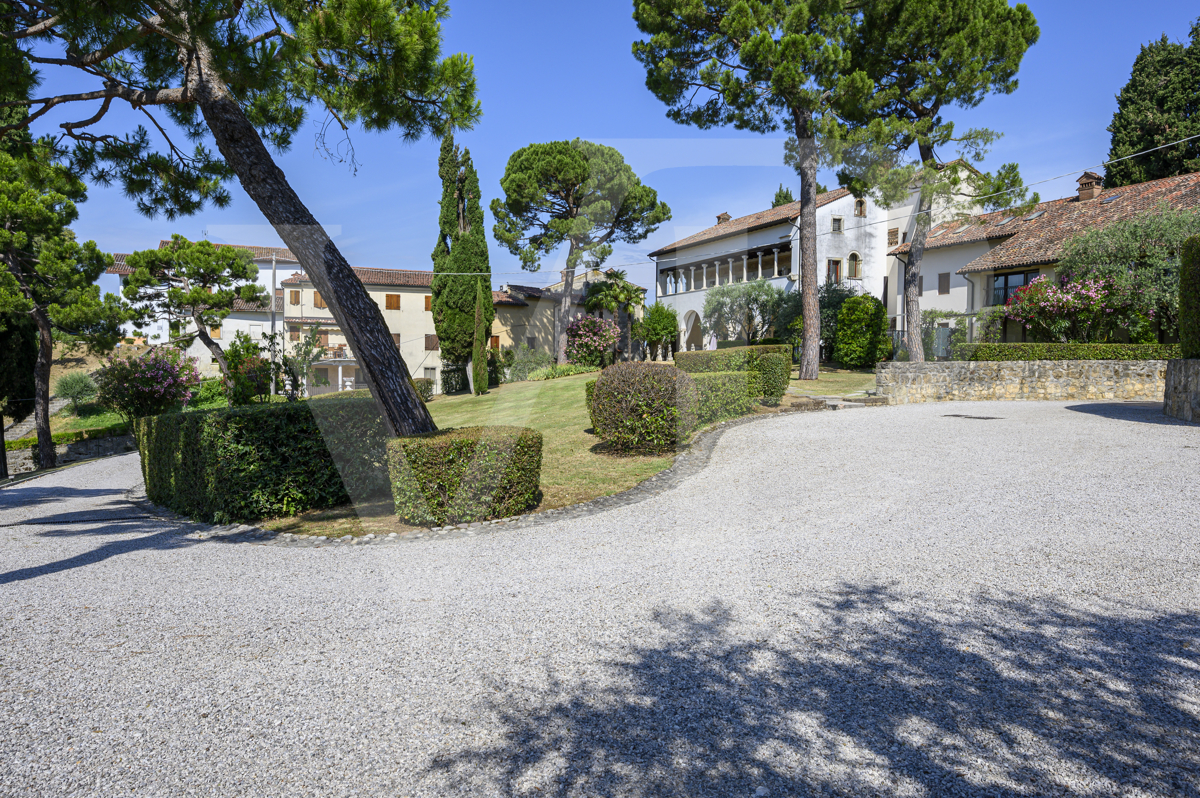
424 387
465 475
1189 300
256 461
646 408
726 394
589 390
775 372
1065 351
742 358
69 437
563 370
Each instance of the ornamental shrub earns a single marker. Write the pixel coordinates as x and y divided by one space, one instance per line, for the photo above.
424 387
775 372
1065 352
862 322
1189 300
742 358
589 391
465 475
211 391
1086 311
589 339
644 408
264 460
76 386
726 394
135 387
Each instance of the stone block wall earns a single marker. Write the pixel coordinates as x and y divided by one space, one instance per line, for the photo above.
1061 380
21 460
1182 396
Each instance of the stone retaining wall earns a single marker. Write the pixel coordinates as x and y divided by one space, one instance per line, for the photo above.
21 460
1182 395
1062 380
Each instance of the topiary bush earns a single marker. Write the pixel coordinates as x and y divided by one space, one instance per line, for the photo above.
465 475
644 407
726 394
588 391
1063 352
258 461
742 358
424 387
1189 300
775 372
862 323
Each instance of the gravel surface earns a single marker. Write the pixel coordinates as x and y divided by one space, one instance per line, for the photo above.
882 602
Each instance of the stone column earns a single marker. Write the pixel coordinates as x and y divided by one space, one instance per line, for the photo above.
759 277
341 385
745 269
692 278
776 251
731 280
704 266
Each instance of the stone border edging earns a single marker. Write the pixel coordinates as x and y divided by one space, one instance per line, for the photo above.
688 462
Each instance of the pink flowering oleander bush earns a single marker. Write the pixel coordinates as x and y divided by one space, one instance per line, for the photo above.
1083 312
158 381
589 338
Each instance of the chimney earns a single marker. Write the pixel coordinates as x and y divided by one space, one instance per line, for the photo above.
1090 186
723 218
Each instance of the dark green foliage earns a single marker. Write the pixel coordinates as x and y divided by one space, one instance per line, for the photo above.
645 408
589 390
1156 107
726 394
1189 300
830 297
483 331
454 379
111 431
18 353
775 373
658 327
782 197
861 332
1064 352
461 250
259 461
210 391
742 358
424 387
465 475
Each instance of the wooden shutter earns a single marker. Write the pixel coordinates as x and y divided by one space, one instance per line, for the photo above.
495 342
428 302
392 301
318 301
214 332
324 338
944 283
294 333
294 297
431 343
893 236
396 339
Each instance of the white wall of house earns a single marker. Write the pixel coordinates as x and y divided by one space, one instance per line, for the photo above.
252 323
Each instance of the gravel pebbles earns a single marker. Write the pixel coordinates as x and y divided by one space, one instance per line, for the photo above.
897 602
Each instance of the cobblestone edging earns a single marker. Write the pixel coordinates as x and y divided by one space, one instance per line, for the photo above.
687 463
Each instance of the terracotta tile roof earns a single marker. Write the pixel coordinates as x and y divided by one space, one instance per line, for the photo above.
754 221
1030 241
257 253
119 266
331 324
527 290
502 298
264 307
378 277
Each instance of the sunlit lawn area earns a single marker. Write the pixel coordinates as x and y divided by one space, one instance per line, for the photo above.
836 382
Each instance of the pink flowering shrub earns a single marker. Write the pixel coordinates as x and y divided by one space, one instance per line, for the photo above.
149 385
588 338
1083 312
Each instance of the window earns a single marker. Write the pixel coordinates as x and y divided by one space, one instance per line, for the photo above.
431 343
396 339
885 293
893 236
921 285
854 266
294 297
215 332
318 301
860 207
904 238
1033 216
293 333
431 375
530 341
1005 221
1005 285
496 342
837 224
833 271
943 283
1113 198
391 301
428 302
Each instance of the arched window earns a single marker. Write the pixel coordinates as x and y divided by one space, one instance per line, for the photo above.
860 207
854 266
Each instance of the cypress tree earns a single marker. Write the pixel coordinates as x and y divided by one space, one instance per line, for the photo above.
460 255
483 331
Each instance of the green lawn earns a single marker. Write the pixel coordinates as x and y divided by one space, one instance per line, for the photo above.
92 416
836 382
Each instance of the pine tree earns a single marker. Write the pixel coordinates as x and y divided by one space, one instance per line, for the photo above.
461 250
1157 106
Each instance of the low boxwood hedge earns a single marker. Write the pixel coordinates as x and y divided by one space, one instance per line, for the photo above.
256 461
775 372
646 408
742 358
110 431
1065 352
726 394
465 475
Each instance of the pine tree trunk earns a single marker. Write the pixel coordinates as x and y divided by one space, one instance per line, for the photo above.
213 346
357 315
47 457
912 273
623 323
4 451
810 309
564 314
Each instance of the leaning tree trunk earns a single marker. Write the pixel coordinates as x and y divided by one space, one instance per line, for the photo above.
47 458
357 315
564 314
912 273
213 347
811 310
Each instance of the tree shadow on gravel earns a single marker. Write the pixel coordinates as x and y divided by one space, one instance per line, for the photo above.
153 537
1143 412
873 694
18 496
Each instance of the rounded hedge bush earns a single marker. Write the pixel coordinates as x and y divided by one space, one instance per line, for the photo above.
775 372
646 408
465 475
861 326
726 394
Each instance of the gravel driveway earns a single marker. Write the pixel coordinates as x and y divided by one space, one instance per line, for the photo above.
891 601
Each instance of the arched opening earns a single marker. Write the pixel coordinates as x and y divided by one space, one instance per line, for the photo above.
854 266
860 207
693 339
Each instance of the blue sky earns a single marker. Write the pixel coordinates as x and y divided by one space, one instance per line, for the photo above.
550 70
